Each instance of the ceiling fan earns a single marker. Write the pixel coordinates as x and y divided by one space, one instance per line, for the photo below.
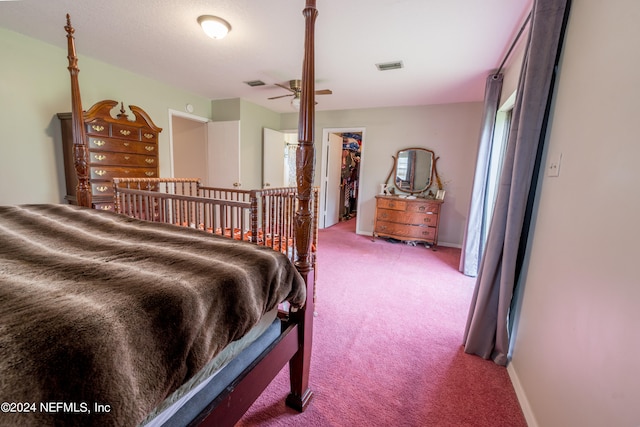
295 88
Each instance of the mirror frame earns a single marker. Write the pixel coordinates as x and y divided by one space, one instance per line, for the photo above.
434 172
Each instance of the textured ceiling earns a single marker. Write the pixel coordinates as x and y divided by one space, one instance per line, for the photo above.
447 47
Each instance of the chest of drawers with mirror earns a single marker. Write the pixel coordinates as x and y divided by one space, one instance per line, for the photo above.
408 210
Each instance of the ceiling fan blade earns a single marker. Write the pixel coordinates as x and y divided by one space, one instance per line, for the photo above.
285 87
281 96
324 92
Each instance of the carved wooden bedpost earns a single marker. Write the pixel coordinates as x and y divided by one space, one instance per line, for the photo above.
301 395
80 154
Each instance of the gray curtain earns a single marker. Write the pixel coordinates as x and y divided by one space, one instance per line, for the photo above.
472 246
486 333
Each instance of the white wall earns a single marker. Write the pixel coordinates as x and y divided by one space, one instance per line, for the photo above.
451 131
253 119
576 358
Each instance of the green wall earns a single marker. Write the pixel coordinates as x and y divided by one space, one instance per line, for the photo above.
35 85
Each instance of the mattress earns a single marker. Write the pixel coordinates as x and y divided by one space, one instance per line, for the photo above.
222 369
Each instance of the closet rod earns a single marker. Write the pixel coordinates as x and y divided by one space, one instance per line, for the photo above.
526 21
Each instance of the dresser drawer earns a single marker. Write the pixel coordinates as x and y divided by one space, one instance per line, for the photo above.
97 127
107 173
423 207
102 189
148 136
121 159
106 206
395 204
125 132
118 145
404 231
411 218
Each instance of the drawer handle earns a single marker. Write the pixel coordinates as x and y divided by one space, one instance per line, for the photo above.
125 132
101 172
427 219
99 157
392 205
127 157
149 148
99 143
384 215
126 144
424 208
97 128
149 173
148 135
106 207
383 227
150 161
102 188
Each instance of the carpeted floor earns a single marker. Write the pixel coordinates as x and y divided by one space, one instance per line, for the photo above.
387 343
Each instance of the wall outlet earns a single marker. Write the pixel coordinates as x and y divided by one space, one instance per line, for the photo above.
553 167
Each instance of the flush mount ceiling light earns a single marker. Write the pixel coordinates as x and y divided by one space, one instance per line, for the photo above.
214 27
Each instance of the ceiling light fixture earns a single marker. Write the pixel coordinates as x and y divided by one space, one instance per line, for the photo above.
295 102
214 27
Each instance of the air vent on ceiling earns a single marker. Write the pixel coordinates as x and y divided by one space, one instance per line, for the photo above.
254 83
389 65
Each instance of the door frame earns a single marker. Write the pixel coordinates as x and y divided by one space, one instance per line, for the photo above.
323 167
183 115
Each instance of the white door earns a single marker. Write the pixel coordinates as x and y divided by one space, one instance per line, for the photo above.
273 144
331 178
223 140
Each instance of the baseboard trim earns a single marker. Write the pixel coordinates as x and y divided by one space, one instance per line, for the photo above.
522 397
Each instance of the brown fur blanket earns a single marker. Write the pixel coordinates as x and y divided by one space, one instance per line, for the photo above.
100 309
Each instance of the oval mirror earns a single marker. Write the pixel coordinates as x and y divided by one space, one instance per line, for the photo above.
413 170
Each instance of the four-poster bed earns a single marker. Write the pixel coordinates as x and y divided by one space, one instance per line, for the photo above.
117 348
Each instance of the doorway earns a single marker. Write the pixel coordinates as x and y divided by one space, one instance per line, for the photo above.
341 164
187 146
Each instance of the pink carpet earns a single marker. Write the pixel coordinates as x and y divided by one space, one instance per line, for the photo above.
387 343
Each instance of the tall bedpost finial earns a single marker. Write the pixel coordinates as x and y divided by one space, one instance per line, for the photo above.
80 152
305 155
301 394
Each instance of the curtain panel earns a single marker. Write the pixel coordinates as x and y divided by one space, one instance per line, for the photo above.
486 333
472 246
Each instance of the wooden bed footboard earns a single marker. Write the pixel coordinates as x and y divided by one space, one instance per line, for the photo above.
265 217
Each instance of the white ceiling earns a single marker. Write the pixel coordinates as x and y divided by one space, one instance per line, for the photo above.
447 46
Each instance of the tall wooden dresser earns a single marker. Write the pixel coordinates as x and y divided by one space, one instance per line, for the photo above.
117 148
415 220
